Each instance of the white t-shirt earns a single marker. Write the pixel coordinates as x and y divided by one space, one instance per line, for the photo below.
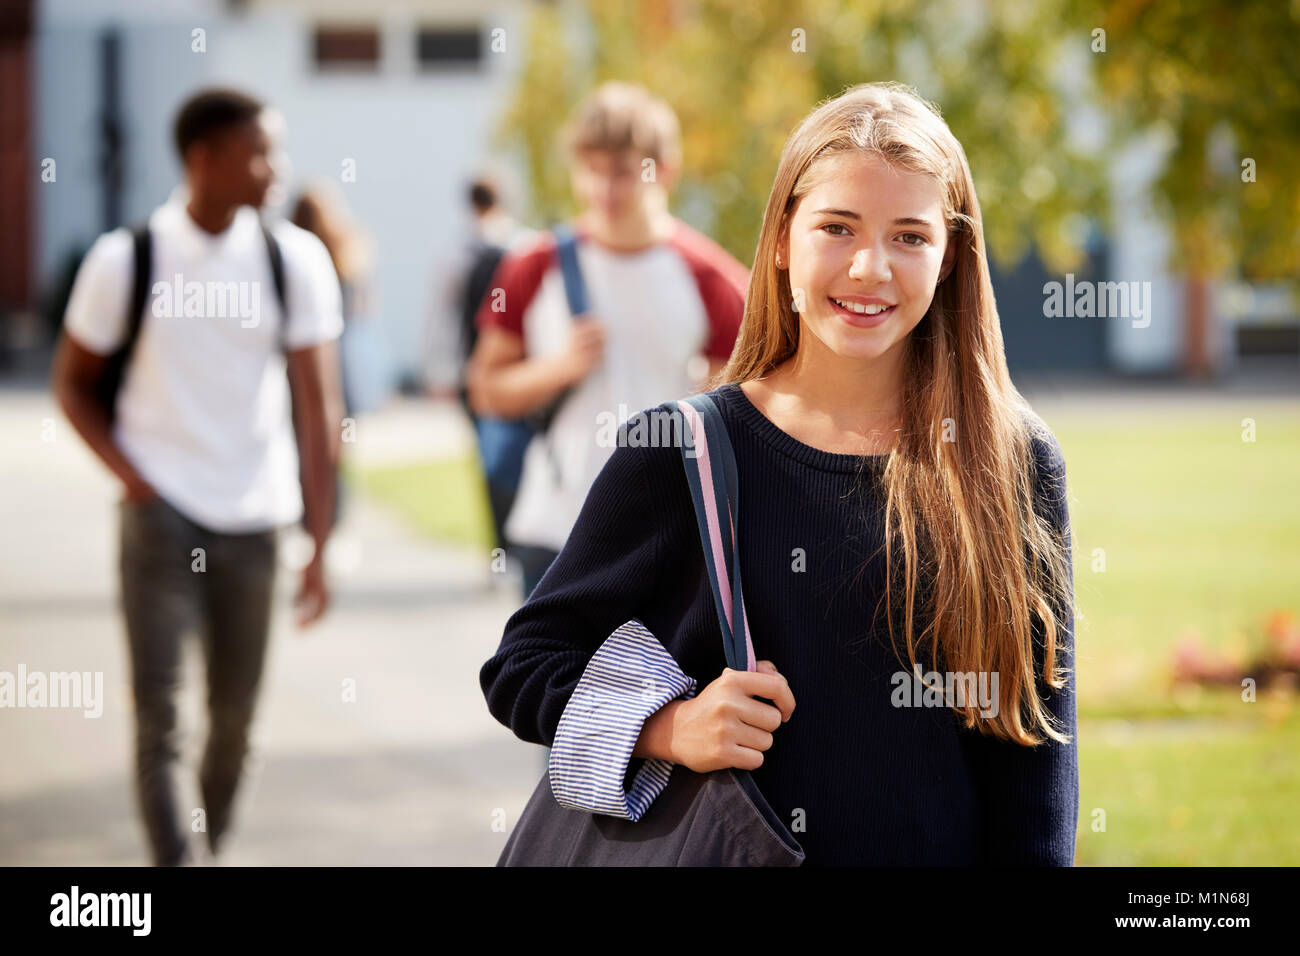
204 409
662 306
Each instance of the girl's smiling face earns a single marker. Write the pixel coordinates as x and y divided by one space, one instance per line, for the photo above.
869 236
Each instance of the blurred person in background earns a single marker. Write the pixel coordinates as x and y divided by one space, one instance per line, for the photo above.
661 296
467 279
321 210
198 429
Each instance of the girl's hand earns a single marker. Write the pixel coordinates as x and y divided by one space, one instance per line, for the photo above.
725 726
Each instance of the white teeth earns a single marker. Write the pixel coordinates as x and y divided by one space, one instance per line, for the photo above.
862 309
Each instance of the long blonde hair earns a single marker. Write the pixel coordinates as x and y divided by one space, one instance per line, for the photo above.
959 515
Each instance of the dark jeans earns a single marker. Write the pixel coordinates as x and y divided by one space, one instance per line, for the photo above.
228 604
501 446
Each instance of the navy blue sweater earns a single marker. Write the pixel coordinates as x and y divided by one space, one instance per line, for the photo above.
860 780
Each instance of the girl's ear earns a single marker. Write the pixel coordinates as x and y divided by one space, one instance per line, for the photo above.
949 256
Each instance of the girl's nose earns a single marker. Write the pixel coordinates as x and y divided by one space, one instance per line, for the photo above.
869 266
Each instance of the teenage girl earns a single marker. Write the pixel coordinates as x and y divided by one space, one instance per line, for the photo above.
903 533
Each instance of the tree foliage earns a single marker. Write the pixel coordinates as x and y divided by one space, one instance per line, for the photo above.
1038 108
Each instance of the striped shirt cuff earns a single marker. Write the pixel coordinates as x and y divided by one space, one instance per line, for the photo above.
629 677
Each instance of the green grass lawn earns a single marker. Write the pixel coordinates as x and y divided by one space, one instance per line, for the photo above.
444 500
1191 791
1200 532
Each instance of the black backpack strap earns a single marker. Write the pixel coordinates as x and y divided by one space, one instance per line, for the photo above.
142 243
485 258
114 374
274 254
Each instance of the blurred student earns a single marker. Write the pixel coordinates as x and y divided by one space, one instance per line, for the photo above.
199 434
663 300
468 276
321 210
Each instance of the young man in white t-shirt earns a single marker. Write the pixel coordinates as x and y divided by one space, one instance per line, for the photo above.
201 434
665 306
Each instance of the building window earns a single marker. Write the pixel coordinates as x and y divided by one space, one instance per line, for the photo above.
347 47
449 47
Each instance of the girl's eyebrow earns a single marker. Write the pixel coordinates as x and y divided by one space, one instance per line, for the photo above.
850 214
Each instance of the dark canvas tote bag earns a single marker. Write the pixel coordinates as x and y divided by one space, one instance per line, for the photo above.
700 819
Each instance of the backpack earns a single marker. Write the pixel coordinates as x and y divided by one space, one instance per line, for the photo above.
110 384
513 436
486 258
115 369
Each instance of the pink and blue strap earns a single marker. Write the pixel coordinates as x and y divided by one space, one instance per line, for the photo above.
711 474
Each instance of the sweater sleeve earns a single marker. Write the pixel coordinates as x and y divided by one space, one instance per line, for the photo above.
629 678
603 578
1031 794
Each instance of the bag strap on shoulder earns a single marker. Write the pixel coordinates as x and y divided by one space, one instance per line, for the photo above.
710 465
276 257
142 244
575 291
575 288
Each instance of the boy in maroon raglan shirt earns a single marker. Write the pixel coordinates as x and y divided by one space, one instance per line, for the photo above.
665 306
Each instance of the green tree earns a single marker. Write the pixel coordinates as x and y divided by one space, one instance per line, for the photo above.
1015 80
742 75
1217 82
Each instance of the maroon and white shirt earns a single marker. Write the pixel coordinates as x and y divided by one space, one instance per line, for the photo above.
662 306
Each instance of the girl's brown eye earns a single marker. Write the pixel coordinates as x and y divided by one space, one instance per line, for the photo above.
836 225
914 236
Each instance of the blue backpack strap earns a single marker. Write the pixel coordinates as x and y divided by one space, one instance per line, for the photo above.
710 465
575 289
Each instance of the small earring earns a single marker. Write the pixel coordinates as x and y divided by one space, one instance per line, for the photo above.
778 262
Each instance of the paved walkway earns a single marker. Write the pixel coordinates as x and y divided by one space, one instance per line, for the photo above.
411 773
